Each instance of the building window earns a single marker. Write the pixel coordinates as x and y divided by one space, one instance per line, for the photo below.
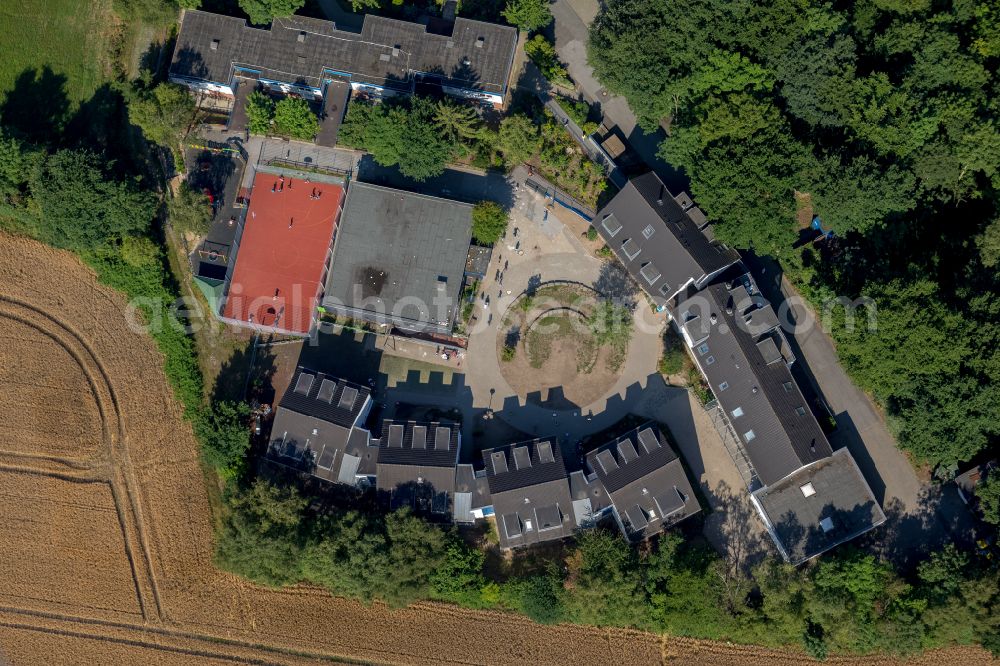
647 233
749 436
788 387
611 225
527 526
801 411
703 349
808 490
664 289
630 248
738 412
710 360
723 386
826 524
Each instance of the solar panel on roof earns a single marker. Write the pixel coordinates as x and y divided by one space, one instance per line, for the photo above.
304 383
419 440
545 454
608 462
442 438
348 397
522 459
396 436
326 389
648 440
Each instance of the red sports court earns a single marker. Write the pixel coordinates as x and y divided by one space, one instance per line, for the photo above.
282 255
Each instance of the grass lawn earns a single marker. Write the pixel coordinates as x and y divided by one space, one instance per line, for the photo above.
76 39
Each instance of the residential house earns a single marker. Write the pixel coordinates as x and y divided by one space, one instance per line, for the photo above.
530 493
660 239
809 497
416 465
319 428
645 481
304 56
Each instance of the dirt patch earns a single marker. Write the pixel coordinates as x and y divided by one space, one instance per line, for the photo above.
547 353
126 531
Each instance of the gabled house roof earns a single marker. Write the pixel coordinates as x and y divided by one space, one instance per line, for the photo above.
306 51
657 239
819 507
530 492
316 427
734 336
645 480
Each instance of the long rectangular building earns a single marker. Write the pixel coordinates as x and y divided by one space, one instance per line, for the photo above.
809 497
467 58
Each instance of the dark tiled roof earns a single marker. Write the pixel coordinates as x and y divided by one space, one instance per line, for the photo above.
528 499
503 473
656 240
839 507
299 50
769 402
325 397
645 480
437 444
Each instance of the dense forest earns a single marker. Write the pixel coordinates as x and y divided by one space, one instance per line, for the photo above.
881 117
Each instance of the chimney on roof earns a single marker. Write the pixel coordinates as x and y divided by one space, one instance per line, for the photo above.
479 42
714 318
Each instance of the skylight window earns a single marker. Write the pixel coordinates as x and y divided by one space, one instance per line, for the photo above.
723 386
738 412
808 490
647 233
749 436
826 524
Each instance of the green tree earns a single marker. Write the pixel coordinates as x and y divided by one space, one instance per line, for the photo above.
223 428
539 596
189 211
988 497
456 122
80 208
361 5
543 54
162 113
293 117
489 222
518 139
460 578
528 15
260 534
260 112
262 12
604 575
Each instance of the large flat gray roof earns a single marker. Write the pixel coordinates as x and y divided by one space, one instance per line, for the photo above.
399 257
836 506
306 51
